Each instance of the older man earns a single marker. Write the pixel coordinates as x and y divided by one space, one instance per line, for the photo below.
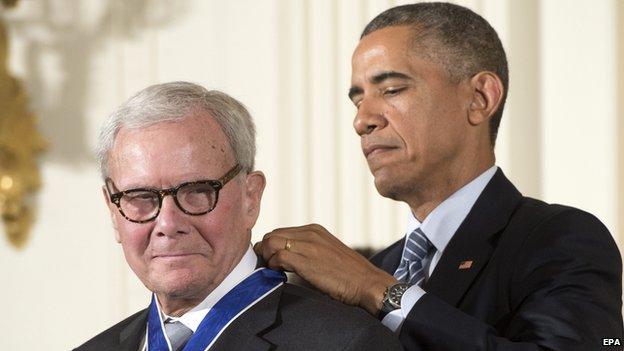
480 267
178 165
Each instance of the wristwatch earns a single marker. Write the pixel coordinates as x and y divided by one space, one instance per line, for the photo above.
392 298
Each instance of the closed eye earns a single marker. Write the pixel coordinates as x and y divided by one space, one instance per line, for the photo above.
357 103
393 91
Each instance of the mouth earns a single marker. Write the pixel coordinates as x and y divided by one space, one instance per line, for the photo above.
373 150
173 256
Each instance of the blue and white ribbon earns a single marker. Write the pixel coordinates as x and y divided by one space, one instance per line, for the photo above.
242 297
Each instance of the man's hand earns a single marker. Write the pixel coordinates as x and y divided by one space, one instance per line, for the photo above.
326 263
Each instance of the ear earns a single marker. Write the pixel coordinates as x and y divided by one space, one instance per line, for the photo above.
487 94
112 208
254 187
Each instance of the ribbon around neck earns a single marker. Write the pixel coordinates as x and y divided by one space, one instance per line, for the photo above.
242 297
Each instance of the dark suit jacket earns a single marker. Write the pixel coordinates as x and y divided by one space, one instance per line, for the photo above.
290 318
543 277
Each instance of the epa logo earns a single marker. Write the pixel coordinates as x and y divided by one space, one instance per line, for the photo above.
611 342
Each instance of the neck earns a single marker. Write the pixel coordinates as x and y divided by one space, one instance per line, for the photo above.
425 199
176 307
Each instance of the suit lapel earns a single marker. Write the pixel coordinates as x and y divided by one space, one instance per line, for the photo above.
245 333
472 245
389 258
248 331
130 337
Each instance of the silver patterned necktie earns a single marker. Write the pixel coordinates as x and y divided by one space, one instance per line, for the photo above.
417 247
177 333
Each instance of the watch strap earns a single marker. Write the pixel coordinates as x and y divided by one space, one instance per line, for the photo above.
392 298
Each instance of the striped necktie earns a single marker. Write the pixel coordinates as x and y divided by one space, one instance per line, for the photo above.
417 247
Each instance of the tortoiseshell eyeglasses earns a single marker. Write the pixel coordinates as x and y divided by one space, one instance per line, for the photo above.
193 198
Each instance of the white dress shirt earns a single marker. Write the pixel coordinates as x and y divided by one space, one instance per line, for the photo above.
193 318
439 227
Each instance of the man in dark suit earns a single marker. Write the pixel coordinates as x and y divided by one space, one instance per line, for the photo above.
481 267
178 165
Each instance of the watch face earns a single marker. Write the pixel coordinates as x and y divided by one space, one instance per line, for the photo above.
395 293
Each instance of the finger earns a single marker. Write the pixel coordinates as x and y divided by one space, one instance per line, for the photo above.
313 251
306 233
286 260
308 250
319 233
309 232
271 243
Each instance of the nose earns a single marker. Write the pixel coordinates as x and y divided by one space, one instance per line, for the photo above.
171 220
369 117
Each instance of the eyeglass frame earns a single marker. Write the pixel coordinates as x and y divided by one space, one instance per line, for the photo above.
217 185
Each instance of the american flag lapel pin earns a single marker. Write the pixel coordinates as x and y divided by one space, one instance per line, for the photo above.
465 264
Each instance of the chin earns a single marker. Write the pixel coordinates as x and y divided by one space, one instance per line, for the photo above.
385 182
389 186
386 189
180 284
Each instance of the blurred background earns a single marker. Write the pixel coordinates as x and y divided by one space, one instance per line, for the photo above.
561 139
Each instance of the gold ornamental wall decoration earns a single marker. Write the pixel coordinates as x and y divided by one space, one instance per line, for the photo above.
20 144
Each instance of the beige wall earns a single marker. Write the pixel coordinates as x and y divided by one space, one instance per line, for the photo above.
288 61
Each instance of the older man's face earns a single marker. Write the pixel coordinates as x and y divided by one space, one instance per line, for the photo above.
177 255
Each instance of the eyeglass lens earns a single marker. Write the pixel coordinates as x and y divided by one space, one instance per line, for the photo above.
193 198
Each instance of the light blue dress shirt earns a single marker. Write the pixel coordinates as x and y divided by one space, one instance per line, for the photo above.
439 227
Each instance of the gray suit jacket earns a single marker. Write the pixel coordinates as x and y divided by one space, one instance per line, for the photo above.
290 318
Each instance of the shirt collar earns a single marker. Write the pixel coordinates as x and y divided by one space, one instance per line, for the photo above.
442 223
193 318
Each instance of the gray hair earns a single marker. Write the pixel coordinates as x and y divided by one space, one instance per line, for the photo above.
463 42
173 102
